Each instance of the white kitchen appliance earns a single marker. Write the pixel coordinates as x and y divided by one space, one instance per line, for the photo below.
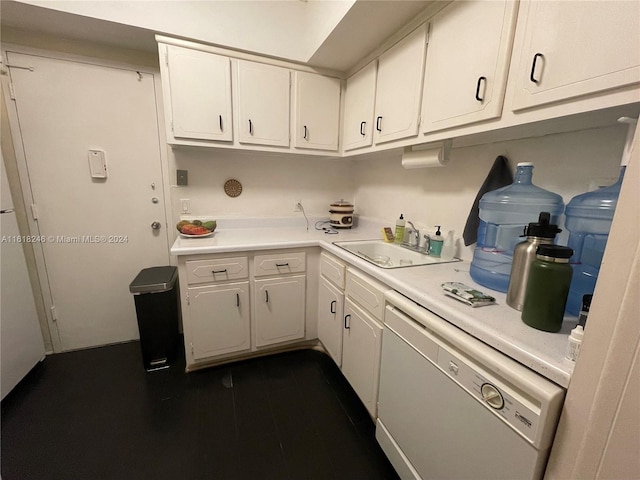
451 407
21 346
341 214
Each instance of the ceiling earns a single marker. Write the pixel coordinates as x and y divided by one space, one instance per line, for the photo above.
332 34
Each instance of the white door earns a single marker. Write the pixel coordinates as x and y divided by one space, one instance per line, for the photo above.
399 88
279 306
330 315
200 85
357 130
21 338
466 73
361 347
316 111
575 48
263 104
97 232
219 319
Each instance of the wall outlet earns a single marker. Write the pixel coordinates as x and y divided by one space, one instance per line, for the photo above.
185 205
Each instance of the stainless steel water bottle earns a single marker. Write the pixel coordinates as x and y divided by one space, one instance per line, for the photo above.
524 254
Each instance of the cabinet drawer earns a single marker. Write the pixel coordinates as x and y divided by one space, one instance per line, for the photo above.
332 270
278 264
366 292
217 270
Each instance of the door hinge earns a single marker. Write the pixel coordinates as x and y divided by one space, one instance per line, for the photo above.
54 314
34 211
188 300
166 58
428 33
191 345
12 91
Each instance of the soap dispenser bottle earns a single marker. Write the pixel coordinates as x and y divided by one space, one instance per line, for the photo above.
435 247
399 237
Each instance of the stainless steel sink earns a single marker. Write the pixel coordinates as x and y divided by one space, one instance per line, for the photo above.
389 255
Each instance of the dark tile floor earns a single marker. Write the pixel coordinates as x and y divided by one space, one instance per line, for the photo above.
96 414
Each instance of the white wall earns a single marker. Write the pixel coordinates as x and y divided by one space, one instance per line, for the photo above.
380 188
564 164
271 183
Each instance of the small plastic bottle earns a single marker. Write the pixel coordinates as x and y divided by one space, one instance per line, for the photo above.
448 247
575 342
399 233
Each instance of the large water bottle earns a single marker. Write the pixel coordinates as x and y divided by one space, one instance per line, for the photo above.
589 217
503 215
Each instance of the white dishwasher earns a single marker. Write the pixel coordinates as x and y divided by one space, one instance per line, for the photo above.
451 407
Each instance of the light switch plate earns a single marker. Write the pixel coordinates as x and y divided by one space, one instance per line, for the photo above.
97 164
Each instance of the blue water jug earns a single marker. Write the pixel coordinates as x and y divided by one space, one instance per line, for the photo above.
588 219
503 215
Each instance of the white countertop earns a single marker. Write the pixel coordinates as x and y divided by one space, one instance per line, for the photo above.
497 325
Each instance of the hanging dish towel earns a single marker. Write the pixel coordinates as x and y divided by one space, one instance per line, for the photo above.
499 176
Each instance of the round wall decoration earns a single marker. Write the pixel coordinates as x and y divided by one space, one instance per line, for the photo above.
232 187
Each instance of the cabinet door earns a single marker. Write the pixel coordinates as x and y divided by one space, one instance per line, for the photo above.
316 111
219 319
279 306
576 48
330 315
200 85
263 104
361 345
466 73
357 129
399 88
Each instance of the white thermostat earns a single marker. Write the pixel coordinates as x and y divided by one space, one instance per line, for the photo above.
97 164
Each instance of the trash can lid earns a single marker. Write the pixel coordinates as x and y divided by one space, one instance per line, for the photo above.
154 280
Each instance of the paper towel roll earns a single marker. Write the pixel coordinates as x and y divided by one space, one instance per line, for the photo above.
426 157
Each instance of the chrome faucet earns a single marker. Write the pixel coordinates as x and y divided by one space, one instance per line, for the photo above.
414 237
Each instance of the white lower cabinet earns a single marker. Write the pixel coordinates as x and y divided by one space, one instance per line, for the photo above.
219 319
235 306
330 316
361 347
279 307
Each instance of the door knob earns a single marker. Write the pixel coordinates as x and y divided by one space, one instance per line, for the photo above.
156 225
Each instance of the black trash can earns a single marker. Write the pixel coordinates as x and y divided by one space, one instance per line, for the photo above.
155 293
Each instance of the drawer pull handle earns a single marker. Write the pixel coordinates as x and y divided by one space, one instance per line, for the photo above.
220 122
250 127
347 326
219 271
333 306
266 296
237 299
305 135
282 264
362 131
533 67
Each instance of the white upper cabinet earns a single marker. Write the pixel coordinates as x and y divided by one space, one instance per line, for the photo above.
466 71
399 88
316 111
571 49
262 104
357 128
200 92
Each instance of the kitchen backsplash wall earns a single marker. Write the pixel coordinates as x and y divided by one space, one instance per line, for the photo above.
272 183
563 163
378 185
